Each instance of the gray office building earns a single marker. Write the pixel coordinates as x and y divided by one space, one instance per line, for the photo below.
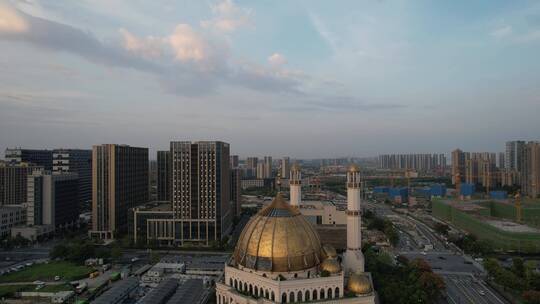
120 182
80 162
41 158
53 199
164 176
13 182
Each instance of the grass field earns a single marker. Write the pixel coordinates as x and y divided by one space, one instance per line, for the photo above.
46 272
8 291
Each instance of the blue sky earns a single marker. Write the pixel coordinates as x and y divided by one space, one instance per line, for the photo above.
298 78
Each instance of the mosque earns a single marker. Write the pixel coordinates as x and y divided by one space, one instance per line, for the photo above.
279 257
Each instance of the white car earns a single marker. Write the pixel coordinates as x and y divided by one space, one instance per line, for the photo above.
57 278
39 283
482 293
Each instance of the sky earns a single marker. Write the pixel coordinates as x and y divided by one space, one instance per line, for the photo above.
307 79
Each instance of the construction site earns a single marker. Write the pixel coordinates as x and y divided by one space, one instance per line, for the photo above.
509 225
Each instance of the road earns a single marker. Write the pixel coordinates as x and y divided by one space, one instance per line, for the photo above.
465 289
461 274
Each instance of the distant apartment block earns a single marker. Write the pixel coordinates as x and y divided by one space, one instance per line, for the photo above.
416 162
120 182
530 170
514 154
285 167
43 158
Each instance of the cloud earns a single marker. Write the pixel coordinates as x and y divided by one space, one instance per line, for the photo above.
324 32
228 17
502 32
149 47
277 59
531 36
188 45
60 37
187 62
10 21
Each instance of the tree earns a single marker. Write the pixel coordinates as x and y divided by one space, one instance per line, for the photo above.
442 228
155 257
518 267
116 252
531 297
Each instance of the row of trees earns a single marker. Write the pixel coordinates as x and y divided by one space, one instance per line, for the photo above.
406 282
471 245
78 251
521 277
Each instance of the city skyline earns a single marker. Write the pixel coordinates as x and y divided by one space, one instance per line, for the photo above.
322 80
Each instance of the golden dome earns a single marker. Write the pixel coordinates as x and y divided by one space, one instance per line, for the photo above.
331 265
354 168
278 239
328 251
359 283
295 167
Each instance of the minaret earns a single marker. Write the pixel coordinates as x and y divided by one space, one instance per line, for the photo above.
353 257
295 185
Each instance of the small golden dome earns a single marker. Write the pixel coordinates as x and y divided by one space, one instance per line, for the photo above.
331 265
296 167
359 283
328 251
278 239
354 168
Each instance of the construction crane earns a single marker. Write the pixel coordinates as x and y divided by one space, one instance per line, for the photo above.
517 203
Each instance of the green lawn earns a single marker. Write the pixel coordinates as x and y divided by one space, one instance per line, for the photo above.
46 272
9 291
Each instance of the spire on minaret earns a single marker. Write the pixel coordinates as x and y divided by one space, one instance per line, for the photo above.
295 185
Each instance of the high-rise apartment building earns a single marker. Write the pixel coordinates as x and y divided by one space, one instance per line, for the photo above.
530 170
501 163
481 168
200 191
164 176
251 167
120 182
267 167
236 181
459 159
52 199
514 154
285 167
13 182
235 161
260 170
80 162
41 158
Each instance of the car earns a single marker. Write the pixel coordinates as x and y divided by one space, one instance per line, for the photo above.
57 278
481 292
29 264
39 282
40 286
442 258
423 253
135 259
